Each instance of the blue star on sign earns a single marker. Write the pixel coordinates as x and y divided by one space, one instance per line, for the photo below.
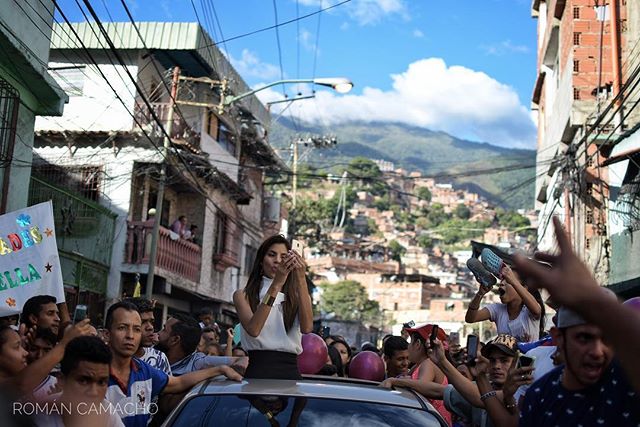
23 220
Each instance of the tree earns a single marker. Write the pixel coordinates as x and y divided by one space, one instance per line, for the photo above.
348 299
462 212
369 173
423 193
397 250
425 241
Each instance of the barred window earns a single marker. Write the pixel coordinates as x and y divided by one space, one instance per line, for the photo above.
9 103
84 180
220 235
576 39
576 13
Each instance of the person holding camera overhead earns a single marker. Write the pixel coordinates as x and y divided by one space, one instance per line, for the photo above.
274 310
520 312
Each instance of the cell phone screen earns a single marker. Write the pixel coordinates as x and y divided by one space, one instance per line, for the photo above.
472 349
525 361
80 313
326 331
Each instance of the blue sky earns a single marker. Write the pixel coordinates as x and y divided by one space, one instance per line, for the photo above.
466 67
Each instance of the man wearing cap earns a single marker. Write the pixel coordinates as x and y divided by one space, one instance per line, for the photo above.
590 389
462 396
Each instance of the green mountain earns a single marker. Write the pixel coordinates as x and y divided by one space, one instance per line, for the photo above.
504 176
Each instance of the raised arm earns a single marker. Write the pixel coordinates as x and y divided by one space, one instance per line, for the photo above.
305 311
474 314
529 301
570 283
428 389
33 374
254 322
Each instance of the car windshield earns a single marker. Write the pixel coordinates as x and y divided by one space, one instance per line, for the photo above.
233 410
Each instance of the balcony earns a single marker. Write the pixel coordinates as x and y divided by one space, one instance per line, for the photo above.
179 256
181 132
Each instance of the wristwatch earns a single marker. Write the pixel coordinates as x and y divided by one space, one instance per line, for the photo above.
268 300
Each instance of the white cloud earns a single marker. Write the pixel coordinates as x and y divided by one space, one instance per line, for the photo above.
307 40
366 12
503 48
418 34
465 103
250 65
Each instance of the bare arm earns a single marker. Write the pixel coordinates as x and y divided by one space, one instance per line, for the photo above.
428 389
305 312
528 299
474 314
229 350
33 374
570 283
465 387
186 381
499 414
254 322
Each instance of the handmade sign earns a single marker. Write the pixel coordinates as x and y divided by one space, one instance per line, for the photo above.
29 261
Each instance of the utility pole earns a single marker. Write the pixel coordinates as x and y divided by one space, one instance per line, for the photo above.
295 171
311 142
155 235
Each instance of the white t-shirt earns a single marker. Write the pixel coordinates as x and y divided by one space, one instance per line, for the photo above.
156 359
273 335
543 365
525 327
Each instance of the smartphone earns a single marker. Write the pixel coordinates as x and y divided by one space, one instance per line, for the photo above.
472 349
297 246
454 338
525 361
326 331
434 334
80 313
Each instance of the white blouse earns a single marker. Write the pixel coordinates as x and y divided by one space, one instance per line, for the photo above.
273 335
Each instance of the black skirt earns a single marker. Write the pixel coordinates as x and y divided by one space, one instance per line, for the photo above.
278 365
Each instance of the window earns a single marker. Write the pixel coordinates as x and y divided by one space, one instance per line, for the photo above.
589 217
395 306
220 235
84 180
576 93
576 39
576 66
226 139
249 258
576 13
587 243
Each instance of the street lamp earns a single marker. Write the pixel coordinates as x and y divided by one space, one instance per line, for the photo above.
339 84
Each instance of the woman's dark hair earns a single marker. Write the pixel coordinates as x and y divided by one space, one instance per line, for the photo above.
536 294
336 360
4 335
252 290
344 343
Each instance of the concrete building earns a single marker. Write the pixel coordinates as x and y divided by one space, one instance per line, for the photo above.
215 162
580 57
26 91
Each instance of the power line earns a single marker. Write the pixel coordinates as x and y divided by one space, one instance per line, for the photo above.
275 14
271 27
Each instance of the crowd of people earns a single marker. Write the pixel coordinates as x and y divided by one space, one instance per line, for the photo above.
582 370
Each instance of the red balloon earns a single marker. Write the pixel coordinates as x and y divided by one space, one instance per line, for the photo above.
367 365
314 354
633 303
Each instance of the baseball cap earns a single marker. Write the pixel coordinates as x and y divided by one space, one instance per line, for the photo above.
425 332
503 342
568 318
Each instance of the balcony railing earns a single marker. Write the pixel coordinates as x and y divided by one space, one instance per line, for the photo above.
177 256
181 131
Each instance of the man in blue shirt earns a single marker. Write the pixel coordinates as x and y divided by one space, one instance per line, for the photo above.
589 390
133 383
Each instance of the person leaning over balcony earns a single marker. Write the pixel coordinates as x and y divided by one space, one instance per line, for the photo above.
274 310
179 226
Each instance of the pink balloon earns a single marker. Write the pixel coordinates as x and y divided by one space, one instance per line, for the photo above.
314 354
367 365
633 303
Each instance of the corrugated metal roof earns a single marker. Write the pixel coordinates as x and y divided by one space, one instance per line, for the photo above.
167 37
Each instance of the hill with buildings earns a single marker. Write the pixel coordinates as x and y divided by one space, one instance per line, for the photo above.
503 176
